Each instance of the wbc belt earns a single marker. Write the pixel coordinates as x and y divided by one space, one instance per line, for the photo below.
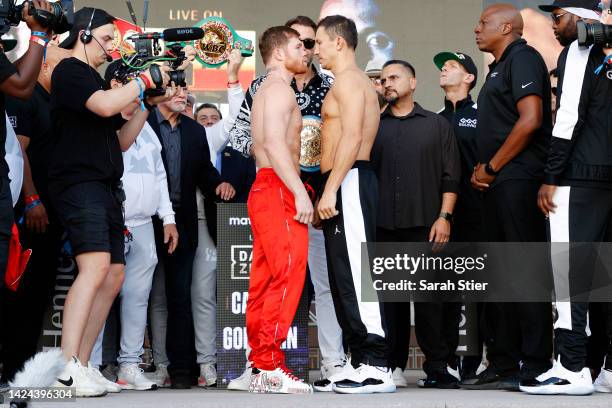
310 147
219 40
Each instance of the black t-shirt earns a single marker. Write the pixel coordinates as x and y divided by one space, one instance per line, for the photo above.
520 72
32 119
6 70
87 147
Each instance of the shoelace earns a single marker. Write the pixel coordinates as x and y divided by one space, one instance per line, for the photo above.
289 374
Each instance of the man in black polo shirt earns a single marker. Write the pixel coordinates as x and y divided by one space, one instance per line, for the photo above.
458 75
514 125
39 228
416 158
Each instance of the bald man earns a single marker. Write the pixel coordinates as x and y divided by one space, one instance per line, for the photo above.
514 128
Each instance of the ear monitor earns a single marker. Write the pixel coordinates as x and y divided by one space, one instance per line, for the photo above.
86 35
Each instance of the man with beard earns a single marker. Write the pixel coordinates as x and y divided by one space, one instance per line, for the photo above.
576 198
280 210
348 205
566 13
417 162
310 89
186 158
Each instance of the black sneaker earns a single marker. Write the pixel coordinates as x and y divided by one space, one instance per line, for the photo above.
443 381
510 383
489 379
181 382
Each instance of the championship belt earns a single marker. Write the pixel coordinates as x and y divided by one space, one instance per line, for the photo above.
310 146
219 40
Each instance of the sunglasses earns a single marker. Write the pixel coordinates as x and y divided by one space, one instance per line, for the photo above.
557 17
309 43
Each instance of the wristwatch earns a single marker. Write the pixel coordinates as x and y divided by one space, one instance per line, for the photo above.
447 216
489 170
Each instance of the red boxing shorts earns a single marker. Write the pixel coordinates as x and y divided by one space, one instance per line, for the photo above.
278 269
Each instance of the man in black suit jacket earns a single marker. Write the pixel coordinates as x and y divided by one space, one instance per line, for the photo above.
239 171
187 162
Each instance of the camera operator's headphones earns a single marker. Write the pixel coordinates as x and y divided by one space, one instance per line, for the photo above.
87 36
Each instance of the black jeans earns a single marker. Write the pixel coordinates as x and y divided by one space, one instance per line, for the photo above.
516 332
468 226
180 339
436 323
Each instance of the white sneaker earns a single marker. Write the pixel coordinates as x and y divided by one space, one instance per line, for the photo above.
76 376
330 376
278 381
160 376
398 378
131 377
560 380
243 382
366 379
98 377
208 376
603 382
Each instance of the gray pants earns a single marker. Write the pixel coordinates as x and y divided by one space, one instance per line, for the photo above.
204 296
140 263
159 316
328 329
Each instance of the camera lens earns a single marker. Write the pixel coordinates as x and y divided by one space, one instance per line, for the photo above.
178 77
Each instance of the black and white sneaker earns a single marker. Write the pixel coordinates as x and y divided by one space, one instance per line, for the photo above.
325 384
444 380
366 379
560 380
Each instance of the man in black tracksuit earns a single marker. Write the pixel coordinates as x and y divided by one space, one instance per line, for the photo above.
577 198
458 76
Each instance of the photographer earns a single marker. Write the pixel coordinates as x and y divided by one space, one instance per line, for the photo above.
17 80
577 200
84 184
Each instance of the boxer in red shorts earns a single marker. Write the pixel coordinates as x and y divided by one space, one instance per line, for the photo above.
280 210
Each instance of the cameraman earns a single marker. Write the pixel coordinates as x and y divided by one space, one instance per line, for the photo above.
577 200
17 80
84 184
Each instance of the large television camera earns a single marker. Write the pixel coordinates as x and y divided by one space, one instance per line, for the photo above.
148 53
59 19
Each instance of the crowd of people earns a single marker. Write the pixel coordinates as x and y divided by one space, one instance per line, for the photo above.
326 156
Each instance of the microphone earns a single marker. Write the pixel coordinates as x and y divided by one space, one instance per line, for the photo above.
172 34
109 58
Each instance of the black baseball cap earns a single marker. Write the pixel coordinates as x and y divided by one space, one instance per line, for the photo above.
464 59
81 21
585 4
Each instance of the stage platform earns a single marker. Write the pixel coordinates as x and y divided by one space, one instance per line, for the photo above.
411 397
